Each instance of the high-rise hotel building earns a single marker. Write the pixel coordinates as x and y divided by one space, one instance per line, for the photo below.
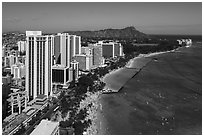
62 49
66 47
38 64
85 59
75 46
111 49
98 59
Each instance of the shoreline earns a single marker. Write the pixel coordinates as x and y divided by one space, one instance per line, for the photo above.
156 95
130 65
96 112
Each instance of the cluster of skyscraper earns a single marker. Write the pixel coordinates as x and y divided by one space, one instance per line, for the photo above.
43 62
57 59
50 60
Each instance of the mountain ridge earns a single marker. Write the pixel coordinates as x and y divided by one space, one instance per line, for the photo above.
128 32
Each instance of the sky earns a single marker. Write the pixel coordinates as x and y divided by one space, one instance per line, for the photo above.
150 18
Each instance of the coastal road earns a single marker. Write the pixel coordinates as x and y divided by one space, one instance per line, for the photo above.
44 116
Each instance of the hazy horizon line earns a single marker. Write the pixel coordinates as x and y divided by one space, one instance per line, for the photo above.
99 30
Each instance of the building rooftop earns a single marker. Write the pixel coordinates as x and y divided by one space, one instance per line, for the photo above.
31 102
58 66
7 119
33 33
41 96
81 55
30 112
45 128
37 106
27 109
7 68
15 90
17 121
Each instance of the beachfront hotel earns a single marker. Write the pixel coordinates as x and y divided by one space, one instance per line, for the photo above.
38 64
109 49
62 49
65 48
75 46
85 61
60 74
78 45
98 59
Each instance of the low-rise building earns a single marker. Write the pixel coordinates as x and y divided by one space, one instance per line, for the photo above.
86 51
10 60
21 46
29 110
184 41
60 74
46 128
17 100
74 70
41 99
6 79
18 70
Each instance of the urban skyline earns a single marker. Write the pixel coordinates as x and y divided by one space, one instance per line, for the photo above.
107 82
151 18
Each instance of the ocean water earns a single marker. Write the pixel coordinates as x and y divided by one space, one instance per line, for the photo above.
119 77
175 37
164 98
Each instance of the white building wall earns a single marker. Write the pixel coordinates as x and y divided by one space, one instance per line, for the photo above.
35 68
113 50
27 68
45 64
21 46
33 33
121 50
46 68
73 44
63 49
68 50
87 63
79 44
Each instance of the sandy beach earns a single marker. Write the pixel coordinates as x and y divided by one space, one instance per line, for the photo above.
164 98
117 78
102 111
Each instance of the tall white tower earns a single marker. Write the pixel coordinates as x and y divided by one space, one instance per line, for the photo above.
38 64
